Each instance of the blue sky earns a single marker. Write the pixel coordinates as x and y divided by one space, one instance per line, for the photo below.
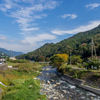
25 25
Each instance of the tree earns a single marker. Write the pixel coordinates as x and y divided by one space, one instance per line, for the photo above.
41 58
58 59
76 59
47 59
64 56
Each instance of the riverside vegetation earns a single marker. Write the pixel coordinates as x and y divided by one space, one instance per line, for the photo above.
20 83
91 77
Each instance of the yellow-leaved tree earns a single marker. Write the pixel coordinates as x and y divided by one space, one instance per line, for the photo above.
64 56
58 59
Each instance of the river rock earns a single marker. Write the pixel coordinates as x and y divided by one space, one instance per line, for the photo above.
52 80
36 78
48 82
91 98
64 91
47 73
58 83
55 98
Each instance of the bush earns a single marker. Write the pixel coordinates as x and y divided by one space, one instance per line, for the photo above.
76 59
79 65
84 64
18 61
64 68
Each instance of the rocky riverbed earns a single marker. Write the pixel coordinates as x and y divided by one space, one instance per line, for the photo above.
56 89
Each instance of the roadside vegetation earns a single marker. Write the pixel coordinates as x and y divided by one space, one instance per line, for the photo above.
20 83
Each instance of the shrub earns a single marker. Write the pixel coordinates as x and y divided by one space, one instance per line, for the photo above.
79 65
18 61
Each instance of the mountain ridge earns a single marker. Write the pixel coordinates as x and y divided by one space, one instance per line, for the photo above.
8 52
77 44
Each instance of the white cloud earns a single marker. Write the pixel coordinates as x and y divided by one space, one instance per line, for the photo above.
93 5
40 37
30 29
26 14
23 42
11 40
72 16
83 28
7 4
2 8
3 38
27 44
51 4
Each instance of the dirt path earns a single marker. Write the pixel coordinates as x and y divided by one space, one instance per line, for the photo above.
78 68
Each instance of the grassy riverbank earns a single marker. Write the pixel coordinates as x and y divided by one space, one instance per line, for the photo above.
24 87
91 77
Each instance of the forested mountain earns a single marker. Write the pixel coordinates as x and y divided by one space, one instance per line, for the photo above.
8 52
78 44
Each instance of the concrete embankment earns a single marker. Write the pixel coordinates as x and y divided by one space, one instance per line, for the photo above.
3 66
80 83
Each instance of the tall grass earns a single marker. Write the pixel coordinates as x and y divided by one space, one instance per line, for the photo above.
25 88
29 90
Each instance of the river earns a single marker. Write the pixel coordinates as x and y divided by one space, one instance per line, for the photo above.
56 89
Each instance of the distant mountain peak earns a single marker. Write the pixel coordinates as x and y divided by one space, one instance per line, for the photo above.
8 52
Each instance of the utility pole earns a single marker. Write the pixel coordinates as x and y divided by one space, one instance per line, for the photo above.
11 53
92 48
70 58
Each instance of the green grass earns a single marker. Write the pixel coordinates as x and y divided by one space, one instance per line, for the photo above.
22 79
11 63
27 90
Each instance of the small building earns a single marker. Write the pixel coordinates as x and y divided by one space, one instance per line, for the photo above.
13 58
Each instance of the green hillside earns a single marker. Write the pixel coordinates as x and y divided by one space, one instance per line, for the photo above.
78 44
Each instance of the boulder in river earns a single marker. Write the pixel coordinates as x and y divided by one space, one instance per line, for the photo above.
58 83
52 80
48 82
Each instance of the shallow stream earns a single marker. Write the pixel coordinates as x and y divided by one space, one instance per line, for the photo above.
57 89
